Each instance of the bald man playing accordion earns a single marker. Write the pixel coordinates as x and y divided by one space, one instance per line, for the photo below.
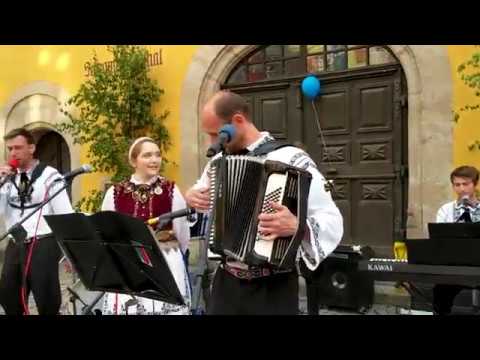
255 286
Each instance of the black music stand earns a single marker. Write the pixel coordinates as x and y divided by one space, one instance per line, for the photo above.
113 252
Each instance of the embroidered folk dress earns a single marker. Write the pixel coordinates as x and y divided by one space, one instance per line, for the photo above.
146 201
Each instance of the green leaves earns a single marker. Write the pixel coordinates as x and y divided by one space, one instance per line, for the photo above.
469 72
110 109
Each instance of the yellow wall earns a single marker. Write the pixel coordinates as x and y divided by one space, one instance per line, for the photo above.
467 130
64 66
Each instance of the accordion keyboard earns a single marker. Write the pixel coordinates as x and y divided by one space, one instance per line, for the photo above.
274 193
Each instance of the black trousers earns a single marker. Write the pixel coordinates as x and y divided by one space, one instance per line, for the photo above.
444 296
273 295
43 279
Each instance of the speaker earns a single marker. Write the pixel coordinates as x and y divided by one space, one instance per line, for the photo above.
340 284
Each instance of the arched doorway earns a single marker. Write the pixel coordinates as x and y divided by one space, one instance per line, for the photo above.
363 114
52 149
36 106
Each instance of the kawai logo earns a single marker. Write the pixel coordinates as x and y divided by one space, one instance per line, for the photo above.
380 267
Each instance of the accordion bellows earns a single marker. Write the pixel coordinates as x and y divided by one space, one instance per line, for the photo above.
241 188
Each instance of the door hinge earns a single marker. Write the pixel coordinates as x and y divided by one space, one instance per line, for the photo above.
401 171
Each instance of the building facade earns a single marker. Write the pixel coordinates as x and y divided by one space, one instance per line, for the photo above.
387 136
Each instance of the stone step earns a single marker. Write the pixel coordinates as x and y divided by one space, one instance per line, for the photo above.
387 294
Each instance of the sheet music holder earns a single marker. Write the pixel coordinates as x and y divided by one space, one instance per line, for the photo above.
114 252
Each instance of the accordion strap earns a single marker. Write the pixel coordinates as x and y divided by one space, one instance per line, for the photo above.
270 146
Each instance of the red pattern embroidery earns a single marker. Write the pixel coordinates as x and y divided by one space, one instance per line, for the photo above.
144 201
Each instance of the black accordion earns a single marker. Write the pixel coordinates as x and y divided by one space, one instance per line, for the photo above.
241 188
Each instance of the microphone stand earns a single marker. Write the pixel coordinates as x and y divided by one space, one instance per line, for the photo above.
16 227
5 180
73 298
87 310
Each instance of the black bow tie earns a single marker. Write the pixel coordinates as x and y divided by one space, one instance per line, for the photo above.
466 216
23 182
23 190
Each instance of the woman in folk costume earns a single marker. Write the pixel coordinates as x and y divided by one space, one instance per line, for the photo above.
148 195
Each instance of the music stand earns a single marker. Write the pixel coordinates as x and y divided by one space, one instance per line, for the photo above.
454 230
113 252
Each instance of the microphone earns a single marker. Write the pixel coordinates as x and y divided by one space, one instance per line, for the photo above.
13 163
465 201
170 216
70 175
466 216
225 135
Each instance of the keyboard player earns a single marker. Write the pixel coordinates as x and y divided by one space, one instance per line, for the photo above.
466 208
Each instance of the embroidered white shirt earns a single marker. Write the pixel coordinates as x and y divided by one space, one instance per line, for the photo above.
43 187
324 220
451 211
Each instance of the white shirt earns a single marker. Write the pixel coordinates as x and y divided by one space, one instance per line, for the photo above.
451 211
324 220
59 205
181 227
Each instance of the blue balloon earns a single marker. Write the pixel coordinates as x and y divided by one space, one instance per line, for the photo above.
311 87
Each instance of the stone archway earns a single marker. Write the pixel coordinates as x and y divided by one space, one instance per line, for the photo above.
430 126
36 107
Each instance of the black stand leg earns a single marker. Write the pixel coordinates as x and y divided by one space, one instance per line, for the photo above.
312 299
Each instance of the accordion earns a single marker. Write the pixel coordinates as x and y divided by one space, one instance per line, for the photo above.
241 188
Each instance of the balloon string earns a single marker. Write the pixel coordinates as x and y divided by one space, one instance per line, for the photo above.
320 131
317 118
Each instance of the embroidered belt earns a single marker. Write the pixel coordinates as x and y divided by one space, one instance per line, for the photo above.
252 273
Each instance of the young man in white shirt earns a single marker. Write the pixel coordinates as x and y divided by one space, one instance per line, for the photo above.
31 260
466 208
238 289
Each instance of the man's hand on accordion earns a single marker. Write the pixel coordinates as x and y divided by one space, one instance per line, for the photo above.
198 199
279 224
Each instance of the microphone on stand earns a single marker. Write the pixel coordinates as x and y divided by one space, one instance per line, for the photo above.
170 216
465 200
225 135
465 205
70 175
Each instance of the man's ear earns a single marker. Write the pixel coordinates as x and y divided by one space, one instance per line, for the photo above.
31 149
238 119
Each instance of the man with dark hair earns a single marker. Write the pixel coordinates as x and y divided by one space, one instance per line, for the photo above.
467 172
31 258
466 208
237 288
